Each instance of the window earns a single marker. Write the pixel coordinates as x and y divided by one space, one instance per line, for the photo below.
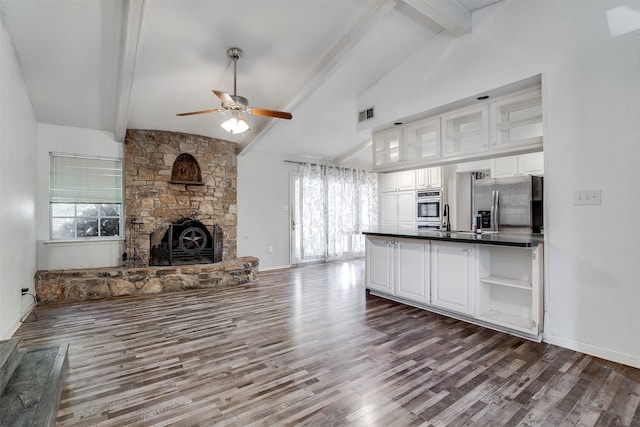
85 197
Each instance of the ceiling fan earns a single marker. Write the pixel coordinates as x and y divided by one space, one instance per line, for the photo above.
237 104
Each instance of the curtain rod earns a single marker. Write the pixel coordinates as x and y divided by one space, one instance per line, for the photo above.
328 166
304 163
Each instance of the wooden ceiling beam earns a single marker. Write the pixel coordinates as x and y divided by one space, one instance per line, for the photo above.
449 14
326 65
133 16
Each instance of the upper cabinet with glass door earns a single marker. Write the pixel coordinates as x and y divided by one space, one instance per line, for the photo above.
422 141
465 132
387 150
516 121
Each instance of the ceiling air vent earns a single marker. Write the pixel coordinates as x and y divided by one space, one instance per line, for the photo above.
365 115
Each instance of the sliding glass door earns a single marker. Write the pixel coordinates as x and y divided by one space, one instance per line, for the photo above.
329 208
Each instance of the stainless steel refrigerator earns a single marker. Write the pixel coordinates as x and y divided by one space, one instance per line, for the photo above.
509 204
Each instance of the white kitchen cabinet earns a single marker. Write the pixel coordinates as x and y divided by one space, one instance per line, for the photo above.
516 120
453 273
407 209
510 287
397 181
497 286
412 270
464 132
398 267
379 264
388 209
387 149
523 164
398 209
474 166
531 164
429 177
421 141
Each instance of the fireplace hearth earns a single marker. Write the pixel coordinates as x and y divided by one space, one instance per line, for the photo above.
187 241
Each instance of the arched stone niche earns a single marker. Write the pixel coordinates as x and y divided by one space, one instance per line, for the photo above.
186 170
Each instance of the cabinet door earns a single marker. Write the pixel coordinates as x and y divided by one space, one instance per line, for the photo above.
397 181
453 276
435 177
405 180
389 209
505 167
407 209
474 166
388 182
465 132
429 177
412 270
517 120
531 164
386 148
421 141
523 164
379 264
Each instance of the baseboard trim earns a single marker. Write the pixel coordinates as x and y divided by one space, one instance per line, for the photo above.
593 350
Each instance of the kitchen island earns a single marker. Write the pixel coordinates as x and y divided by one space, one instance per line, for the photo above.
490 279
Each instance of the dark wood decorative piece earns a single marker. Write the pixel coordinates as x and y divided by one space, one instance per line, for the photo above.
186 170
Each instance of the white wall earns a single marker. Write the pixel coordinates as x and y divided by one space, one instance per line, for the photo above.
78 254
263 208
18 137
591 93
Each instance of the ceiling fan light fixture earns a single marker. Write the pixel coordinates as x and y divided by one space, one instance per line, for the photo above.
235 125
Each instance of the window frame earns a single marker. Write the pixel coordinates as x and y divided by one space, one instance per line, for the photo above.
100 217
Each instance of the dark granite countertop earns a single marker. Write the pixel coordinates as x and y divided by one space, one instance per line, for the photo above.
524 240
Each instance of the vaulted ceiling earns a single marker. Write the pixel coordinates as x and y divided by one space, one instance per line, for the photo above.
116 64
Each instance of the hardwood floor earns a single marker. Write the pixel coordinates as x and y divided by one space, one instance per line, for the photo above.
308 346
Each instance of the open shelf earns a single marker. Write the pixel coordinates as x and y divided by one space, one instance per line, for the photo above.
503 281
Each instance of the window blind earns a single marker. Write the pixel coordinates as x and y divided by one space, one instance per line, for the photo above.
75 179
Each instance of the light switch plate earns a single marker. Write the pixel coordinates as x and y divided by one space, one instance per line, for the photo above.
586 197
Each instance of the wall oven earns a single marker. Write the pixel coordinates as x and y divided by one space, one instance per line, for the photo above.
429 209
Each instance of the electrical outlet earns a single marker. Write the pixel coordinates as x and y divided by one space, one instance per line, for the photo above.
586 197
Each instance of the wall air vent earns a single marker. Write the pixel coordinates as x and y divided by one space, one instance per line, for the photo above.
365 115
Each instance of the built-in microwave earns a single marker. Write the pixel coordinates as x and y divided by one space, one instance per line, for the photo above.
429 208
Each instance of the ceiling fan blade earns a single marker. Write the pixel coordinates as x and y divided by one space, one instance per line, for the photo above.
271 113
224 97
199 112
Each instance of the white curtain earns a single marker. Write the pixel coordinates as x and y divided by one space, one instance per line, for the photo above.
337 203
314 235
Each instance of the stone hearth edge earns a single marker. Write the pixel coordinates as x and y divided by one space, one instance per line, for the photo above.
97 283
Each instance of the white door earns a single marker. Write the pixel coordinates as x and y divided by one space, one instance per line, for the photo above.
389 209
453 273
407 209
379 264
295 226
294 209
412 270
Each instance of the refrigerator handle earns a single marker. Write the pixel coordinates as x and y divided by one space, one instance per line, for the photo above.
496 211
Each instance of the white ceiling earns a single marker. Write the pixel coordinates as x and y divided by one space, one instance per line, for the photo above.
117 64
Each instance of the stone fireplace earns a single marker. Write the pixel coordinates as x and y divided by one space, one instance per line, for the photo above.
180 206
173 176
